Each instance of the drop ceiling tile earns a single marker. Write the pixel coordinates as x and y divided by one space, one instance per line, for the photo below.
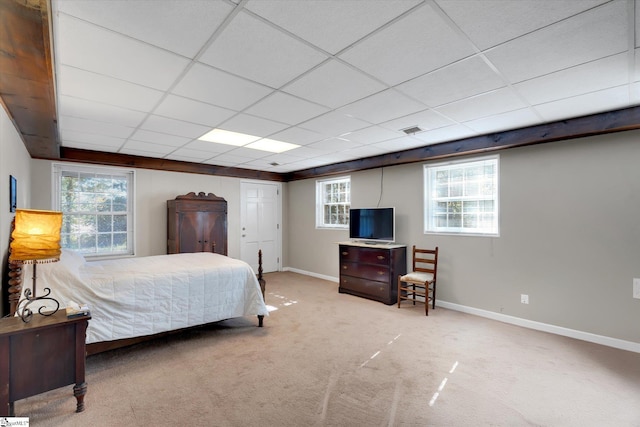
426 119
372 135
67 123
591 103
159 138
382 107
634 94
81 108
140 153
194 155
250 153
188 110
583 38
174 127
334 124
255 50
148 147
98 88
230 158
334 84
448 133
488 104
334 145
462 79
252 125
332 26
307 152
589 77
491 22
216 87
399 144
93 147
71 138
361 152
179 26
501 122
285 108
92 48
210 147
297 135
414 45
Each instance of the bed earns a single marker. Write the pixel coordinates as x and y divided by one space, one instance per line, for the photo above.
142 297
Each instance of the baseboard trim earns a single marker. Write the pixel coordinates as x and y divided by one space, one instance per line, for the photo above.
558 330
309 273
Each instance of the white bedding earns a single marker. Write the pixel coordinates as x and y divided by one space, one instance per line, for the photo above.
142 296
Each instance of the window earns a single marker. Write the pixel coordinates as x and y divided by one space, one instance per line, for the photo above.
333 200
97 207
462 197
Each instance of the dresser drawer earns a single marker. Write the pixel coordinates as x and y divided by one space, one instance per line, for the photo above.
363 287
364 255
365 271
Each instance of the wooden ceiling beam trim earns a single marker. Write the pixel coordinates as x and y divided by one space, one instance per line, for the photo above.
126 160
595 124
26 74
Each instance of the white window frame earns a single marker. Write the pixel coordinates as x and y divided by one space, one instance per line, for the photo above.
468 203
321 186
57 172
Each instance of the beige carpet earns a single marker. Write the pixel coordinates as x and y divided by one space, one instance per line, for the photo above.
330 359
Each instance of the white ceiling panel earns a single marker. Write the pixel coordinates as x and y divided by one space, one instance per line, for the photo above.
248 41
583 38
174 127
332 26
590 77
188 110
216 87
107 90
92 126
504 121
334 84
460 80
334 124
252 125
426 119
488 104
286 108
591 103
178 26
383 106
145 76
159 138
81 108
120 57
414 45
492 22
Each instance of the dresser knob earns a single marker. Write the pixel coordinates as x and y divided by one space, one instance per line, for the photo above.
380 257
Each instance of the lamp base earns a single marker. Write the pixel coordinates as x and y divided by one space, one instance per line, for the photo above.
26 313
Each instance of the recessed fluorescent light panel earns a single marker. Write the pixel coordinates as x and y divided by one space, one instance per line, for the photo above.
272 145
222 136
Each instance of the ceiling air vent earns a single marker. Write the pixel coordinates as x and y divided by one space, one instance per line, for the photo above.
411 130
274 164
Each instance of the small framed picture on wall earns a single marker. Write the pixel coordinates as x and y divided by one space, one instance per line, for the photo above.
13 193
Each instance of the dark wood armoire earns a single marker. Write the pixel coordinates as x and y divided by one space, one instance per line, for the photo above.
197 223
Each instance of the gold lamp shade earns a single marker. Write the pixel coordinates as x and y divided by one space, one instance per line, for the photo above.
36 236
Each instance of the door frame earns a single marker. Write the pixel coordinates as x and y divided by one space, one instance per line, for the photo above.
278 215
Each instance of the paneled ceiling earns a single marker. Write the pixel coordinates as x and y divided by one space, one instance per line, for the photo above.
343 79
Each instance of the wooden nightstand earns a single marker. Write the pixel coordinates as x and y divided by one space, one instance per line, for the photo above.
42 355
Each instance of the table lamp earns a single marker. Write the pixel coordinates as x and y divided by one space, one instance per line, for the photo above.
35 240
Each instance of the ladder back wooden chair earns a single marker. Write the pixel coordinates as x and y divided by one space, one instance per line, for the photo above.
419 286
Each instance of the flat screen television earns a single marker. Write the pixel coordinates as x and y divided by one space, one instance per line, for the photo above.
372 224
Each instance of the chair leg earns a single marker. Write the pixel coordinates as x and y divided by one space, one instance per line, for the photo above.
434 296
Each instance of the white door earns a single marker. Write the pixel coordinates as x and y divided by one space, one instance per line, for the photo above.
260 224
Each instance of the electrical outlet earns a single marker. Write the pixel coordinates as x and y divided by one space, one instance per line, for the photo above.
524 299
636 288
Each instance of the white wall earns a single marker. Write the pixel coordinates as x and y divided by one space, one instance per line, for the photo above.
14 160
153 189
569 237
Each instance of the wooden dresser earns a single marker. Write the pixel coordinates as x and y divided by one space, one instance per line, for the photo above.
371 271
197 223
